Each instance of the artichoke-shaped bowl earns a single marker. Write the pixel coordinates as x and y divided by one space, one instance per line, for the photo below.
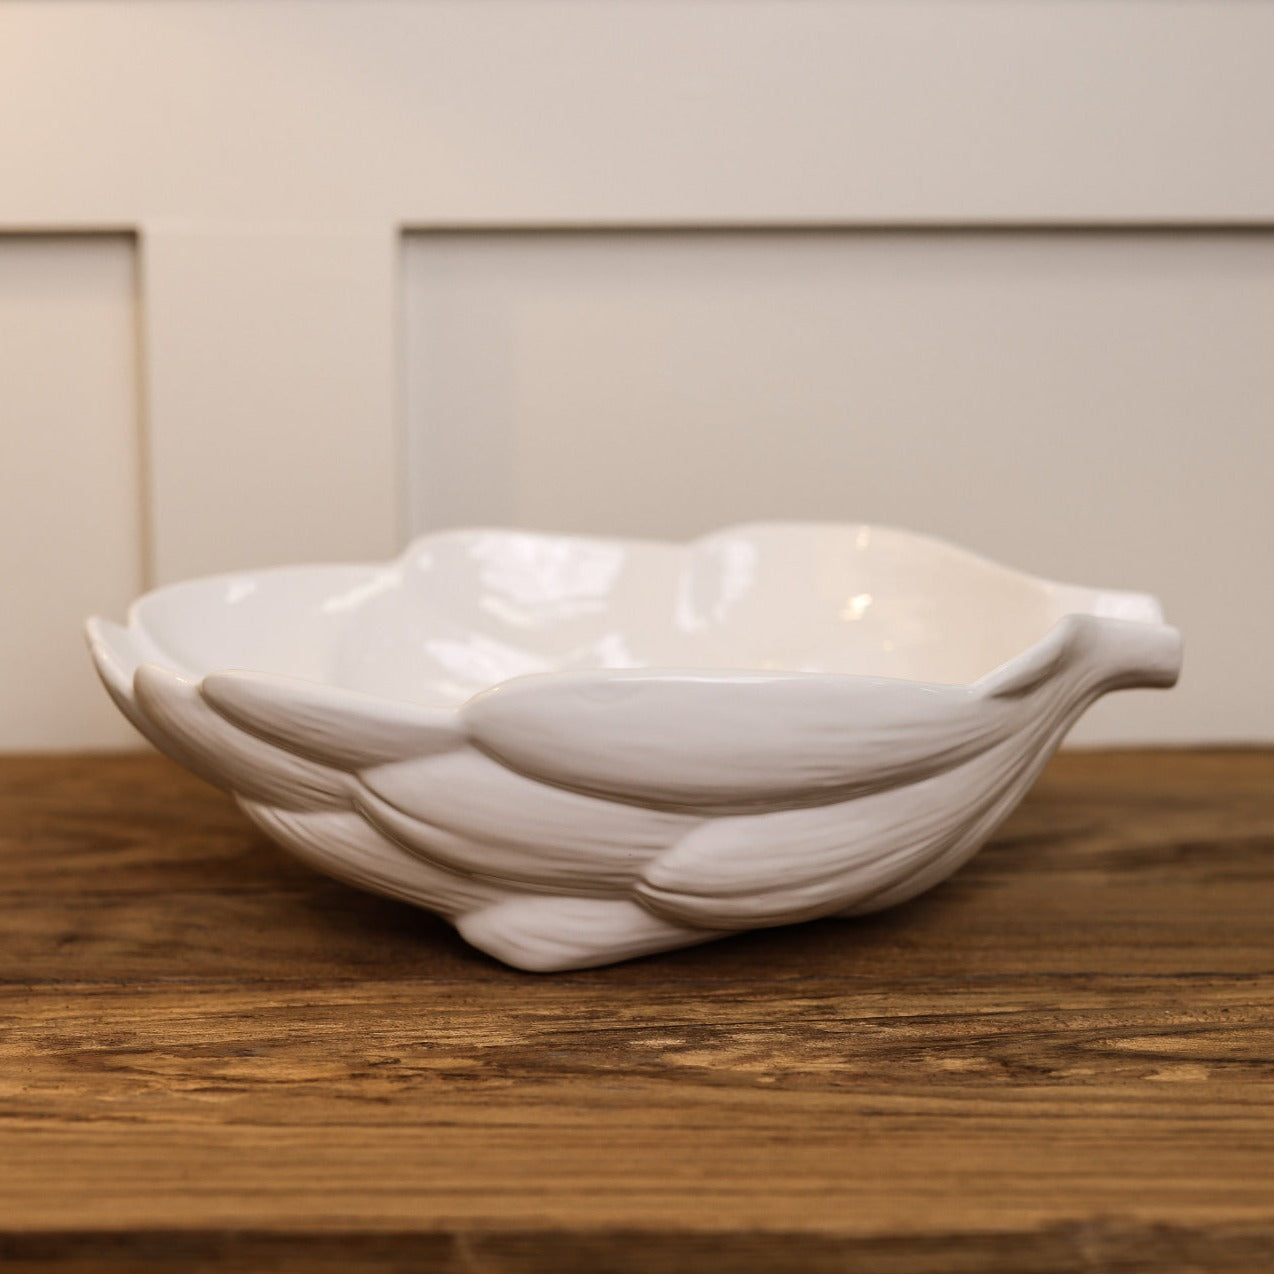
581 750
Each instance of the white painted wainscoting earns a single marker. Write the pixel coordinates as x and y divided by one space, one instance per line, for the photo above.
71 507
289 280
1092 406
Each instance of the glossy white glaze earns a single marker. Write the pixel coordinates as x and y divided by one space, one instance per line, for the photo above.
581 750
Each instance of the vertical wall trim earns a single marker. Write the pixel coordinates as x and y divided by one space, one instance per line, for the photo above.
145 485
271 383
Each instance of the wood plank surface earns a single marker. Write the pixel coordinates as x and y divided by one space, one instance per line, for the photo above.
1061 1060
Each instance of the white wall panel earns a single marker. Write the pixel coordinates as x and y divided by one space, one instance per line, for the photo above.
1091 406
71 509
265 157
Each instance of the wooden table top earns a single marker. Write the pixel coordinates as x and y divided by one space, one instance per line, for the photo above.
1063 1059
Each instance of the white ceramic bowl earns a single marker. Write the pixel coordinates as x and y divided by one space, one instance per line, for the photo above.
581 750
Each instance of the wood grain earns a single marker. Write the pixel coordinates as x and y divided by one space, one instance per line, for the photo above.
1061 1060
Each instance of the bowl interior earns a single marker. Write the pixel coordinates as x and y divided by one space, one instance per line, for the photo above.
464 610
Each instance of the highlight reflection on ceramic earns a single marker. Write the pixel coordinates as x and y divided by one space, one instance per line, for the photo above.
582 750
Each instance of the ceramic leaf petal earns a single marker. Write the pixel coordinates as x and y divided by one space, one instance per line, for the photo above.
717 742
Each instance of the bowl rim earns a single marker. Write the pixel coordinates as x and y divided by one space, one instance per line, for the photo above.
1101 603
